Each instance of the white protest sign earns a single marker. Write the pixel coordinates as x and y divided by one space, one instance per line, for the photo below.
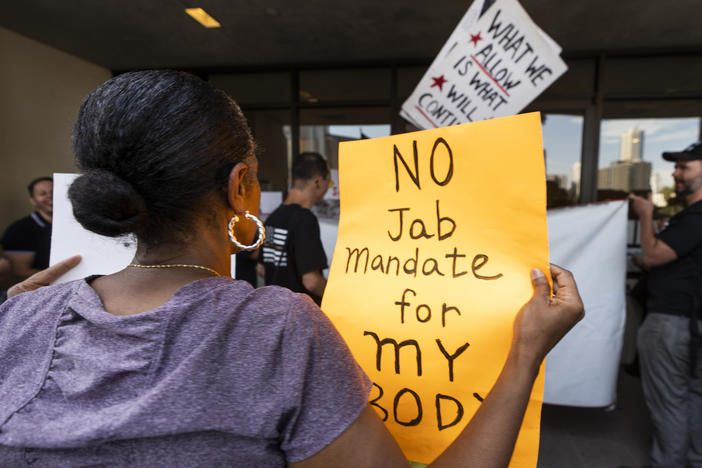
495 69
458 34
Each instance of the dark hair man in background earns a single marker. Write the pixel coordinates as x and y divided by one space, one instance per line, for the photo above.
27 241
669 339
293 255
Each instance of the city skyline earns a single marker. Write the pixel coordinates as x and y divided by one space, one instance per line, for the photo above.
562 135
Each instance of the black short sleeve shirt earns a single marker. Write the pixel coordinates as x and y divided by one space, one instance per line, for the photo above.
31 234
293 247
672 287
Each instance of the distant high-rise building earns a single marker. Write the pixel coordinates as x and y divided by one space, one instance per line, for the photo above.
625 176
575 177
575 173
630 172
631 147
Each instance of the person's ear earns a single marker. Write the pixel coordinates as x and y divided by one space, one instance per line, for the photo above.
236 189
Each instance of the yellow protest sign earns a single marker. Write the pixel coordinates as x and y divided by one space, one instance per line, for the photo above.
438 232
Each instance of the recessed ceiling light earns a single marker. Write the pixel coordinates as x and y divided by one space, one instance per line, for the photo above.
203 18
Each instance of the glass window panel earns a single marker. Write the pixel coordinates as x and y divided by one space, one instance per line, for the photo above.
315 125
271 130
321 130
630 155
562 138
255 88
361 84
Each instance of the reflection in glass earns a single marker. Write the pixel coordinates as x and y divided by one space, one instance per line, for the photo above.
325 139
322 130
270 129
562 138
630 156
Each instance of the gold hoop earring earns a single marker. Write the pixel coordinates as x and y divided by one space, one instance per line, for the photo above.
261 232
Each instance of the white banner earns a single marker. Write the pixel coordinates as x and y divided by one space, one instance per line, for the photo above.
590 241
491 66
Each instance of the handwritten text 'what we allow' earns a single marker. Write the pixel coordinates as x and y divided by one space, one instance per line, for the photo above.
487 78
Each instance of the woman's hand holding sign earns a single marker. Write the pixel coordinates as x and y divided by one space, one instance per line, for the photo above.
488 440
543 321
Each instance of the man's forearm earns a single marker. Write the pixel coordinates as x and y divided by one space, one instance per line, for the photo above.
319 287
647 236
314 282
23 271
655 252
22 265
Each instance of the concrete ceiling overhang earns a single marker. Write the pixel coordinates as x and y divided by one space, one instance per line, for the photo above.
129 34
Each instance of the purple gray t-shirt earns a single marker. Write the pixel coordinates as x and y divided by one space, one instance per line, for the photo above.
220 375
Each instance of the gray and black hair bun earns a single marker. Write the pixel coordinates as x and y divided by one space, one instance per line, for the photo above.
106 204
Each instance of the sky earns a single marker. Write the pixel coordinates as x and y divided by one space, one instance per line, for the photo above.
562 136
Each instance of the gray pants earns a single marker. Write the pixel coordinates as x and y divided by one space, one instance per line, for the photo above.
674 399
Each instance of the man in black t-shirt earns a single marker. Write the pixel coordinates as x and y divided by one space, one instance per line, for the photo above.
27 242
293 255
671 365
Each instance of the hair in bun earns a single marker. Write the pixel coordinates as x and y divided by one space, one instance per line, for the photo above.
153 145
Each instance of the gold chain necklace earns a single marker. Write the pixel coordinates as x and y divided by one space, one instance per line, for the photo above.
175 265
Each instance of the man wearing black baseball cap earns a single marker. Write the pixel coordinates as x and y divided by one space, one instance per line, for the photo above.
669 340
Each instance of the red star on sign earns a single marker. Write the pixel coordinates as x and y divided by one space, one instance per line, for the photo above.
438 81
474 38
